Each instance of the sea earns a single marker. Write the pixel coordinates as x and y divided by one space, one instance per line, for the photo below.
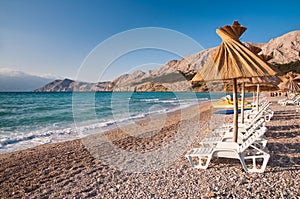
29 119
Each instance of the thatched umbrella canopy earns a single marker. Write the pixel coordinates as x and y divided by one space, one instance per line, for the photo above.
297 78
233 60
266 87
290 83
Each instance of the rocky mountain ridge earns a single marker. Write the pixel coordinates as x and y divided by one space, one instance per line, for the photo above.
284 49
67 85
174 75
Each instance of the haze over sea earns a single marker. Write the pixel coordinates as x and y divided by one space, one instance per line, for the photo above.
31 119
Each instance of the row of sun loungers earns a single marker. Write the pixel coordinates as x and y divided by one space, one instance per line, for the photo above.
293 100
250 149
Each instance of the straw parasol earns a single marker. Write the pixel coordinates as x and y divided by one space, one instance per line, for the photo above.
231 61
249 87
290 83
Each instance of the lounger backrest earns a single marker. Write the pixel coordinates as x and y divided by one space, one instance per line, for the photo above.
262 106
265 106
264 102
259 114
293 96
251 139
254 127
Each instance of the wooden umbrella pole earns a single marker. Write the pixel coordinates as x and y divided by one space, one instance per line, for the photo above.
257 98
254 98
235 114
243 102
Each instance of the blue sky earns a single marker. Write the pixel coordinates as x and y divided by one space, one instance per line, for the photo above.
55 36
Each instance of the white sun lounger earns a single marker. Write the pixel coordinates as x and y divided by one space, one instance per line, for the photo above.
245 152
226 135
264 111
292 101
251 119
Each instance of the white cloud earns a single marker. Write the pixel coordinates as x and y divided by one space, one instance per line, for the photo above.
16 73
11 73
14 80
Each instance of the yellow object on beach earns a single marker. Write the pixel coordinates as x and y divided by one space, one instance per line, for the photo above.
227 102
207 130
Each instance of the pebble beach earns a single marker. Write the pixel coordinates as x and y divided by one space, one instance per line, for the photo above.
88 168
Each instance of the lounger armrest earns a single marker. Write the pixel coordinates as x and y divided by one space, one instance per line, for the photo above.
227 146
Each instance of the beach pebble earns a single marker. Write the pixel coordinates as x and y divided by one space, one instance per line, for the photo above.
68 170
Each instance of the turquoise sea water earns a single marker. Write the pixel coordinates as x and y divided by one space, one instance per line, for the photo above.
31 119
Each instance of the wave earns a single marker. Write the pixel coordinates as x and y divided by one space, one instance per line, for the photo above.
17 138
3 113
172 101
68 131
149 100
16 141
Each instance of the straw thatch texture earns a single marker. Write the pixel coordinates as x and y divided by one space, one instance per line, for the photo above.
266 80
289 86
232 59
262 87
290 83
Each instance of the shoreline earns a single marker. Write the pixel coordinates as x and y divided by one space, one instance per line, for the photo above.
43 162
73 132
68 169
120 125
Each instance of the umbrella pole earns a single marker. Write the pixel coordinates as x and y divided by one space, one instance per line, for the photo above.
243 102
257 98
253 98
235 114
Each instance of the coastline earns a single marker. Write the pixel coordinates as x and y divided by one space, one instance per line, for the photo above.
69 169
53 120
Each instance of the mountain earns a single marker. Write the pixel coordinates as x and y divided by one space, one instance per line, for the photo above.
174 75
12 80
284 49
68 85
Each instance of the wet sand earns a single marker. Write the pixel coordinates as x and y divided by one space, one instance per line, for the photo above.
146 160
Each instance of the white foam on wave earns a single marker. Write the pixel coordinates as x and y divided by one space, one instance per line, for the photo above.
149 100
19 141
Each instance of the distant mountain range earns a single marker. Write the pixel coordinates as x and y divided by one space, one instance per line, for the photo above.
174 75
68 85
12 80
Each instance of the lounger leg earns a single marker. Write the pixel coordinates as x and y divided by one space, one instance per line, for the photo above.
191 161
261 144
265 162
265 158
203 161
242 160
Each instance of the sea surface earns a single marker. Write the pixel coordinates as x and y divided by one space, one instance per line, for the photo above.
31 119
